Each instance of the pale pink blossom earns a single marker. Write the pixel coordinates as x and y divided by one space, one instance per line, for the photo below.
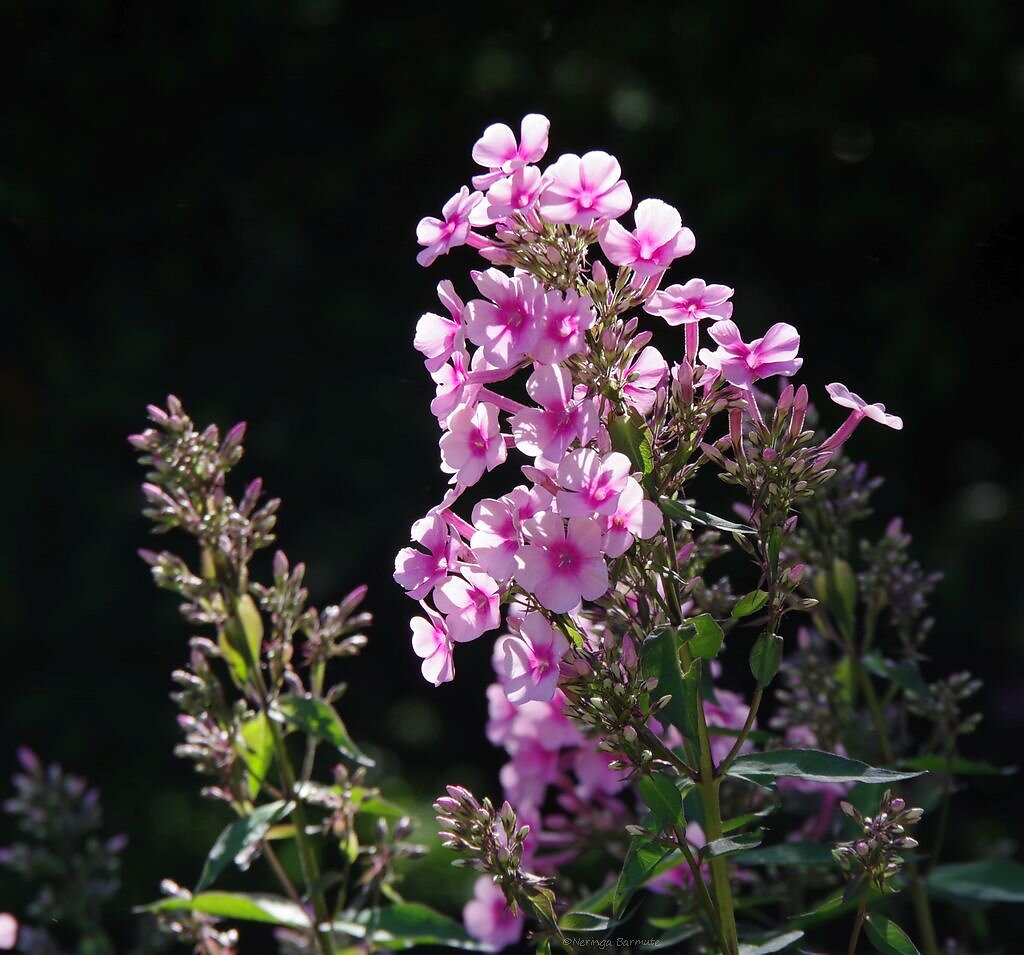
595 775
453 386
530 659
564 326
591 484
8 930
501 714
859 410
430 642
561 419
689 303
742 364
471 603
658 239
438 337
528 774
582 190
562 565
513 194
634 517
506 327
498 151
439 236
496 538
488 918
472 444
642 378
419 572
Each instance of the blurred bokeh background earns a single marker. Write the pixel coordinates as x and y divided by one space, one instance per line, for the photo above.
218 200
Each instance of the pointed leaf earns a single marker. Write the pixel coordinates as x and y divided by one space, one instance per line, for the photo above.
750 604
632 441
707 636
777 943
659 657
257 751
988 880
688 515
660 793
766 657
888 937
406 925
319 719
240 836
246 907
811 764
728 845
640 864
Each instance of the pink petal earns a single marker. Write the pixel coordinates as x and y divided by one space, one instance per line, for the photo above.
620 246
656 221
533 138
495 147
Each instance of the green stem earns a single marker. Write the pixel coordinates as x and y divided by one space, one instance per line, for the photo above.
709 795
702 889
755 705
858 922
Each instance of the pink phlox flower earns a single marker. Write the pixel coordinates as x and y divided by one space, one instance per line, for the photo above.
471 603
530 659
742 364
488 918
472 444
582 190
528 501
438 337
563 564
528 774
498 151
441 235
430 641
634 517
842 396
497 537
419 572
689 303
729 712
546 721
563 331
591 484
594 773
658 239
561 419
642 378
517 193
505 326
454 387
501 715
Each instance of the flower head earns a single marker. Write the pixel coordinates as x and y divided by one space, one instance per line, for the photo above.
563 564
658 239
498 151
689 303
583 190
441 235
742 364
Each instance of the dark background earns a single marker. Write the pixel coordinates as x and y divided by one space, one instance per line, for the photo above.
219 200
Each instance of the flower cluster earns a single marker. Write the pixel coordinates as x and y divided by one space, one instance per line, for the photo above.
874 856
608 427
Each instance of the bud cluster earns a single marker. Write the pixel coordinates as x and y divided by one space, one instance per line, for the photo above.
874 857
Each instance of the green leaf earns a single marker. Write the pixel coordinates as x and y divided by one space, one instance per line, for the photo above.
750 604
728 845
904 674
811 764
988 880
584 922
406 925
319 719
240 836
888 937
659 657
766 657
774 546
660 793
640 864
688 515
598 901
633 442
789 853
738 822
775 944
957 766
707 638
247 907
257 751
